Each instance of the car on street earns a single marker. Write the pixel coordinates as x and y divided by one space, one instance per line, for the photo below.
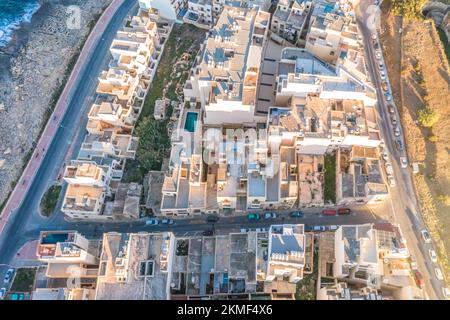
208 233
397 131
167 221
385 155
391 108
329 212
446 293
420 282
253 216
2 293
152 222
413 262
403 162
391 181
270 215
433 256
378 55
399 145
8 275
388 96
393 119
245 230
342 211
389 169
296 214
332 228
212 219
426 236
319 228
439 274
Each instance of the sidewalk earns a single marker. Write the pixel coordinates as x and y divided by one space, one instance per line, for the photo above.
23 184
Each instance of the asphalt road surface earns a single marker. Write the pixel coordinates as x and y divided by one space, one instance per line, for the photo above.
403 202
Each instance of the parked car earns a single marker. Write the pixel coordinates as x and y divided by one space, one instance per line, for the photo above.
2 293
382 75
391 181
376 45
399 145
397 131
296 214
385 156
384 86
332 228
329 212
439 274
374 36
270 215
433 255
8 275
261 230
152 222
403 162
167 221
378 54
420 282
446 293
212 219
319 228
245 230
388 96
426 236
380 66
391 108
342 211
208 233
393 119
309 228
253 216
389 169
413 262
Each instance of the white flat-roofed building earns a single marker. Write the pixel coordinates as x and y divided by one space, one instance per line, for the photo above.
68 254
135 266
224 82
289 19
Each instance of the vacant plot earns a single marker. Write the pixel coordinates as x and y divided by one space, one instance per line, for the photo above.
419 73
330 178
50 199
173 70
24 280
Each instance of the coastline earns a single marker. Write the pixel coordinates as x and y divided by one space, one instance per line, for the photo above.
33 65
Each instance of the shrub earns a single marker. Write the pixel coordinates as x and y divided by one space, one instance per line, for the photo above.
433 138
428 117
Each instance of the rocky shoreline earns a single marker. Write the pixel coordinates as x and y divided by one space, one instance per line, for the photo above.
32 68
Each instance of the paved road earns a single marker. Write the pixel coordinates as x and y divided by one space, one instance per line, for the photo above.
25 216
403 202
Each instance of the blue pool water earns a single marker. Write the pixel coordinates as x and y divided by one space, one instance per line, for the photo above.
191 121
12 14
54 238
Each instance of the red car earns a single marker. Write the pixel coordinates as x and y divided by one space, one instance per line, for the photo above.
329 212
419 279
344 211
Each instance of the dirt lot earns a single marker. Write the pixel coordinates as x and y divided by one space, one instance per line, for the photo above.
413 87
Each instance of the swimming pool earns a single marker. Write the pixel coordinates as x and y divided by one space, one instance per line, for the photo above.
191 121
54 238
